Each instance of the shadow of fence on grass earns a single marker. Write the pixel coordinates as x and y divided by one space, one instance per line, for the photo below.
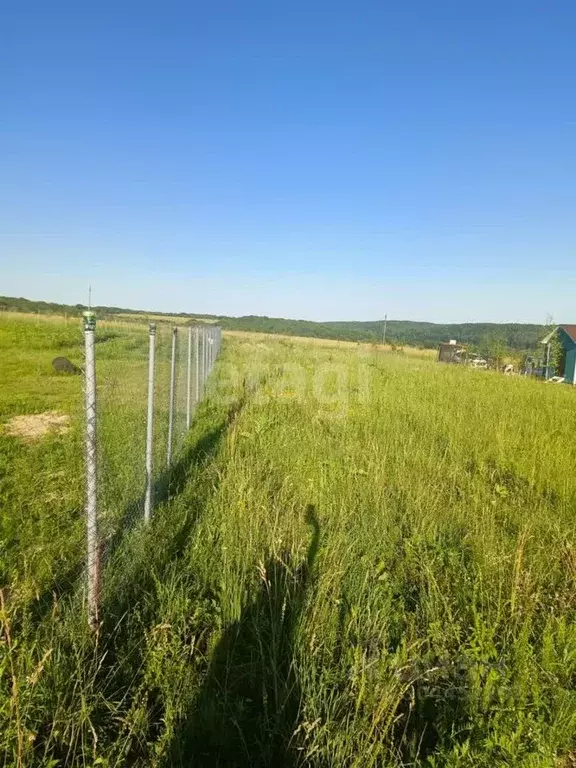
133 561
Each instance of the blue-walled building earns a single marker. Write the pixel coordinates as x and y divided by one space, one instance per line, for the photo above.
566 366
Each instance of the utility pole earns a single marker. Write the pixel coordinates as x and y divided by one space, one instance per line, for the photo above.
384 329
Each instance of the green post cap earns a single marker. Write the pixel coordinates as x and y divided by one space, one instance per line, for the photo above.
89 321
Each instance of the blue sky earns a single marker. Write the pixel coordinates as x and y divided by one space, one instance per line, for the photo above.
324 160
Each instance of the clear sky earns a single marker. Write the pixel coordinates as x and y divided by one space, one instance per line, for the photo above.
313 158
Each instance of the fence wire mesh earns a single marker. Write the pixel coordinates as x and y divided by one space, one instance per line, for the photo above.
128 457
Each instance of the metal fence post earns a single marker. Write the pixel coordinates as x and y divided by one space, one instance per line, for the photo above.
197 369
205 357
189 380
209 351
93 554
172 397
150 423
203 360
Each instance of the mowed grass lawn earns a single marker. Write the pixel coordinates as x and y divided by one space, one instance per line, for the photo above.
360 558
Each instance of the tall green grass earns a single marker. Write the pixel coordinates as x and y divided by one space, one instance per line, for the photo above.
359 559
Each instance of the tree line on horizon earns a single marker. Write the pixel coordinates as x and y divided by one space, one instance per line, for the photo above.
518 337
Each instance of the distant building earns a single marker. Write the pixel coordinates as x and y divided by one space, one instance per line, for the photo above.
450 351
565 366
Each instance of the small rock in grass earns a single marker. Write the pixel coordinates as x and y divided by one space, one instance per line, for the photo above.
63 365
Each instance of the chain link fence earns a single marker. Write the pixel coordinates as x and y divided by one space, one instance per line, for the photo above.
141 390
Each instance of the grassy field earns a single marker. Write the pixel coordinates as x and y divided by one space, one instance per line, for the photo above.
360 558
140 318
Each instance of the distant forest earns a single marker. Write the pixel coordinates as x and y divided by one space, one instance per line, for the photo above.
514 336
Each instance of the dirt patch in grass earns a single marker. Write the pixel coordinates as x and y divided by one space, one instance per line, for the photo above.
37 425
